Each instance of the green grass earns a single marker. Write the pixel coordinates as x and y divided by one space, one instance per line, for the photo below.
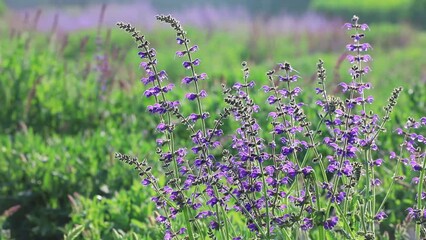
59 128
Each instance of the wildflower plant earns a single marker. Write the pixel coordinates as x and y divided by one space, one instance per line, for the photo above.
294 181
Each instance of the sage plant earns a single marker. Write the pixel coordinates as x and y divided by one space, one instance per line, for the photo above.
287 180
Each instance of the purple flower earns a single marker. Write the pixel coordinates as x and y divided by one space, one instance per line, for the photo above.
380 216
193 48
272 99
204 214
161 219
156 109
415 165
180 41
168 235
252 227
266 88
376 182
180 53
191 96
168 87
331 223
149 79
214 225
307 170
307 224
146 182
187 64
378 162
415 180
161 127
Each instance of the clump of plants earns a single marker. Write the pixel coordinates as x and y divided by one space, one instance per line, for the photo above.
290 179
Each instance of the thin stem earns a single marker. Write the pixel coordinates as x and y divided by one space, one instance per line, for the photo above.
419 193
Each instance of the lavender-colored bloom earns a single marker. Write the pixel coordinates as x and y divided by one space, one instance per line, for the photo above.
272 99
307 224
307 170
252 227
380 216
154 91
191 96
214 225
266 88
331 223
376 182
378 162
415 180
188 80
168 87
423 121
146 182
251 84
196 62
161 219
193 48
162 127
415 165
156 109
180 53
168 235
369 99
187 64
162 75
203 94
180 41
151 78
204 214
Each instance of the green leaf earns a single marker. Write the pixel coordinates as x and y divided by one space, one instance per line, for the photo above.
74 233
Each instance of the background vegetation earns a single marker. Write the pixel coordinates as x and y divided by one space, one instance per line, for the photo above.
68 102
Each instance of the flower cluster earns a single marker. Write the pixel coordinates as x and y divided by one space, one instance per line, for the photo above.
284 179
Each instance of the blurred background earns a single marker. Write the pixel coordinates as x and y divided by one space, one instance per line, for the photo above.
70 94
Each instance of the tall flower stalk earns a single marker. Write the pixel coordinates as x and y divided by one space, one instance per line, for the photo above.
288 179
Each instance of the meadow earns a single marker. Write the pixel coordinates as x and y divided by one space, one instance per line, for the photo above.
69 102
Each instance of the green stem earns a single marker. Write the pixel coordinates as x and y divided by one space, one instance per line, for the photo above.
188 223
419 194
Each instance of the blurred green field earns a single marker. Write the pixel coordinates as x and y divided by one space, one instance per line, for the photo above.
67 103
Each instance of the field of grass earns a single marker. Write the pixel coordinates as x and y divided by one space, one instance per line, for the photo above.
69 102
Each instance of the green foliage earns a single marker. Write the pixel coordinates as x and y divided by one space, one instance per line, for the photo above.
126 215
2 7
382 10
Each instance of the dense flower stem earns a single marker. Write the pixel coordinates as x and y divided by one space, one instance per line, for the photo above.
265 194
419 193
367 203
